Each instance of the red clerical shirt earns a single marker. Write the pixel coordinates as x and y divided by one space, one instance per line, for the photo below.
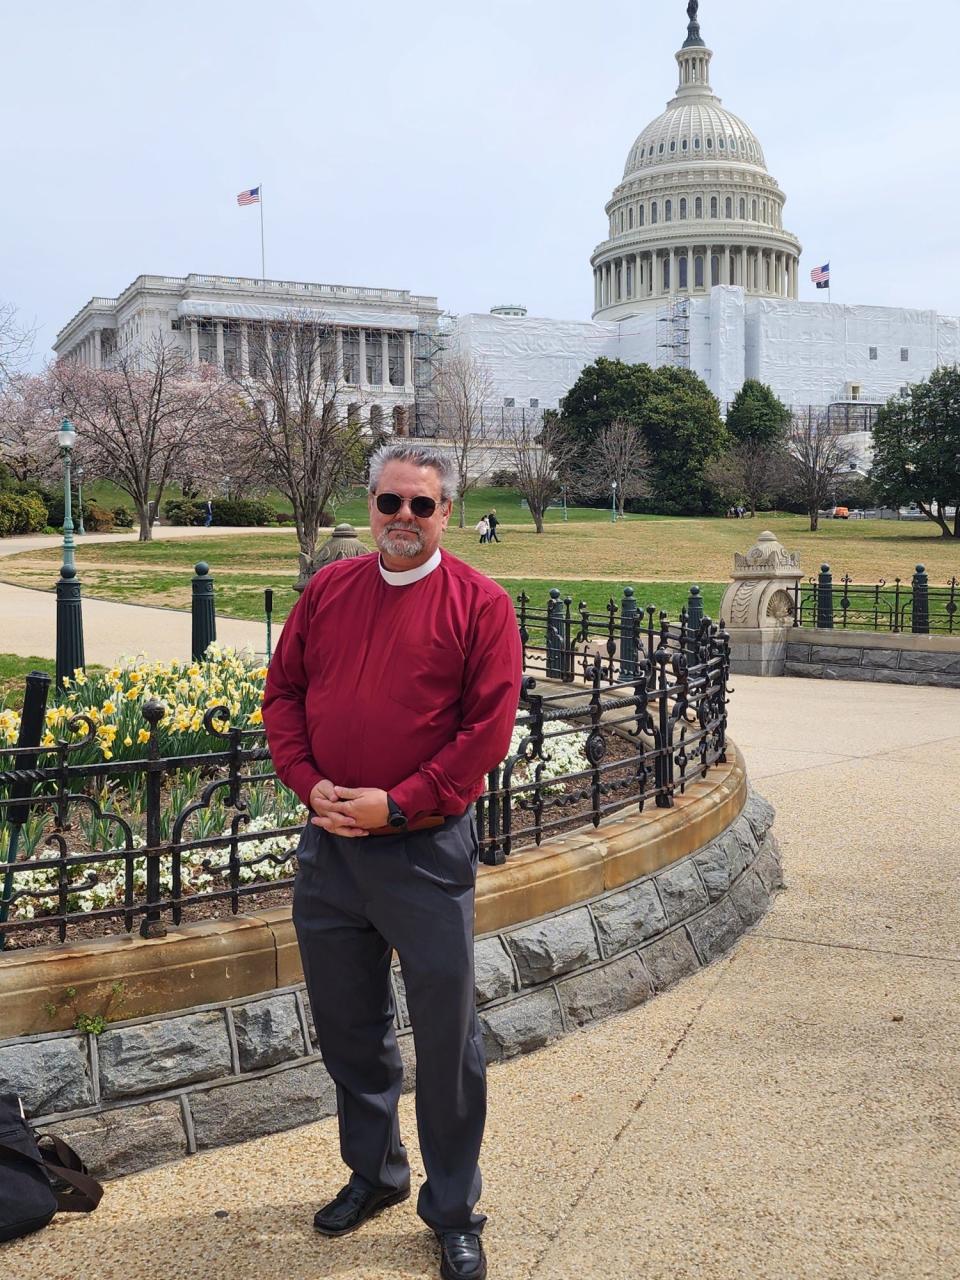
409 688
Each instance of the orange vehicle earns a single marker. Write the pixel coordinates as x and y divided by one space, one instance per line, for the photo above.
841 513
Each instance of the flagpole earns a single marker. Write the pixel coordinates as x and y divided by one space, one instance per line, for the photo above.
263 267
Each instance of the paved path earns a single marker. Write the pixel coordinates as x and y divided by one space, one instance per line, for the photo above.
790 1113
110 629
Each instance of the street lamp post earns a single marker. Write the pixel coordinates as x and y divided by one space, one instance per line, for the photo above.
80 529
613 506
563 490
69 615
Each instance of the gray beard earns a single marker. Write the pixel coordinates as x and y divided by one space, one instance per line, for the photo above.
400 547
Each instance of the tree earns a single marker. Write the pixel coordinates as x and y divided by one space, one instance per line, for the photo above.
819 457
151 415
463 385
540 455
684 432
28 447
756 416
916 442
618 453
606 391
290 415
679 418
16 343
751 475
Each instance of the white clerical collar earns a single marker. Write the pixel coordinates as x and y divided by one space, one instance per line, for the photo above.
406 576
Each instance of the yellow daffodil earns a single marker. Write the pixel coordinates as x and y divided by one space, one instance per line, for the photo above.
143 735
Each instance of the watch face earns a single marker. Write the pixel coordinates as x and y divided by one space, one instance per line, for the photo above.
397 820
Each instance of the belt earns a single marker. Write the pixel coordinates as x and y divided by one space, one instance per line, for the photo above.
418 824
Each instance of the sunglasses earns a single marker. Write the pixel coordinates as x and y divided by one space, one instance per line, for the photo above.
388 504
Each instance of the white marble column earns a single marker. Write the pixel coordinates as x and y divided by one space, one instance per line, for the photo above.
363 360
244 350
338 357
637 275
384 358
97 349
407 359
194 342
218 328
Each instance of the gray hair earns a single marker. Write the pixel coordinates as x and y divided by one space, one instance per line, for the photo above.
421 455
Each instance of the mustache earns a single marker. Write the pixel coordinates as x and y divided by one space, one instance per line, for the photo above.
409 528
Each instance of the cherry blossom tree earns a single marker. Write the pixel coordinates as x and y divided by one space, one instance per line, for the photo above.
150 418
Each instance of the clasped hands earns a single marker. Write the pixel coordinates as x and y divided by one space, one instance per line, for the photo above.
348 811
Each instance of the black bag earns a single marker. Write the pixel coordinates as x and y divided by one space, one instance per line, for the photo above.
37 1178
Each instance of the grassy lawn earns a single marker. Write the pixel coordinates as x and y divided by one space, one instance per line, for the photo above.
354 508
586 559
13 669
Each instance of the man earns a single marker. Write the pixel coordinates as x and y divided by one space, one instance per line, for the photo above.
493 522
393 691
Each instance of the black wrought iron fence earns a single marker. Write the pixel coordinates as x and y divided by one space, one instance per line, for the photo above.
902 605
148 842
564 641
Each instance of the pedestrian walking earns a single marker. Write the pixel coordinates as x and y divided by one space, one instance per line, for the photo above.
483 528
391 695
492 521
208 515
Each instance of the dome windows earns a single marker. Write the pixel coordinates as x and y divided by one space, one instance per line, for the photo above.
683 208
698 271
714 207
698 207
640 212
654 212
682 272
683 144
668 211
743 208
728 207
630 218
715 269
709 144
673 144
696 144
722 142
660 148
753 210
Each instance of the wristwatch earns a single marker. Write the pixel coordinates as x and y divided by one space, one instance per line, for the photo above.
396 817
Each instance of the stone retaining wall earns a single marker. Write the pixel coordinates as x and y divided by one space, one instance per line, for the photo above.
153 1089
868 656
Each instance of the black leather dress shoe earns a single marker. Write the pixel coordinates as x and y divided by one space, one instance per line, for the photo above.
352 1206
461 1256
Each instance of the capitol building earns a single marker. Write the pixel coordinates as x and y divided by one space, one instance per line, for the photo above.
697 269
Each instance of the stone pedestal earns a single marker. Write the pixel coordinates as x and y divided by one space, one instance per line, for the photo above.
758 607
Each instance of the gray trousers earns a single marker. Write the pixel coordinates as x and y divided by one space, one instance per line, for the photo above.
354 901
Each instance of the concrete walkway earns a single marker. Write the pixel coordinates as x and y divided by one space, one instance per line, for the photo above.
791 1112
112 630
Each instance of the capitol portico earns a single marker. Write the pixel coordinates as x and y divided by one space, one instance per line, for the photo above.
696 207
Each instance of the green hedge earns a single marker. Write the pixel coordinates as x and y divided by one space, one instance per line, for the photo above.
21 513
226 511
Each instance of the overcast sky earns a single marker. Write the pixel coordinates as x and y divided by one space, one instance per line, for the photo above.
460 150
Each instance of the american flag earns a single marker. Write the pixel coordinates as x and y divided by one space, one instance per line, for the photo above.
821 276
249 197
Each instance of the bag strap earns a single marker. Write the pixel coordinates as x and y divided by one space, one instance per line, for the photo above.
86 1192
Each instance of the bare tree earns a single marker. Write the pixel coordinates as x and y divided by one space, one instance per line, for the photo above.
16 343
617 453
147 418
540 454
293 419
751 473
818 456
463 385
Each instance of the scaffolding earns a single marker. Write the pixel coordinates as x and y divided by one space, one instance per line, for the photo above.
673 334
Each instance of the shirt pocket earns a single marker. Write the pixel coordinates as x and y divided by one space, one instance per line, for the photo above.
425 677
